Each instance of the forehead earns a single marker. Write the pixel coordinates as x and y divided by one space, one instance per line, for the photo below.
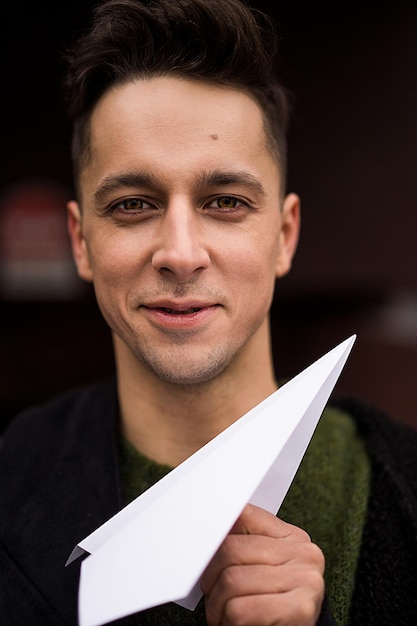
177 124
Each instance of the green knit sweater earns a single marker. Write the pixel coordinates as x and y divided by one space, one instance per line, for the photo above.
328 499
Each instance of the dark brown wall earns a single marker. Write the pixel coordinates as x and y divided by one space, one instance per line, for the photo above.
353 76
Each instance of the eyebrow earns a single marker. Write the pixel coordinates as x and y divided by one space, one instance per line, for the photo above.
219 178
215 178
128 179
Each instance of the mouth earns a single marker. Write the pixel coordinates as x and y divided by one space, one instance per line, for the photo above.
180 316
178 311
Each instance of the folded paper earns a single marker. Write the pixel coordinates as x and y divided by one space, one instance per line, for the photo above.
155 550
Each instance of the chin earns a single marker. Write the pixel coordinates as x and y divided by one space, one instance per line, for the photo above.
181 371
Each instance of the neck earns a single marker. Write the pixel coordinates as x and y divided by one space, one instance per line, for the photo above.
169 422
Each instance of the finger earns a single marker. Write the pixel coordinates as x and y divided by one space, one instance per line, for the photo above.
264 580
256 521
295 608
247 550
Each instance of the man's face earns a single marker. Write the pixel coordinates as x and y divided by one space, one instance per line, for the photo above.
181 228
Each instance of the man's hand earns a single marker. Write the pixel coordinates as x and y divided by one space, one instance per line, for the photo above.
265 573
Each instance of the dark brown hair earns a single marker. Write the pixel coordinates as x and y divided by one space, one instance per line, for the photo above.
219 41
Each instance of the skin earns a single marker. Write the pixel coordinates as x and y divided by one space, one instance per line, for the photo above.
266 572
183 231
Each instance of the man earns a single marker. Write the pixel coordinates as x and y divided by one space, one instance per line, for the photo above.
182 224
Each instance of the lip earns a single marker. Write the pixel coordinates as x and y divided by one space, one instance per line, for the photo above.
178 305
175 315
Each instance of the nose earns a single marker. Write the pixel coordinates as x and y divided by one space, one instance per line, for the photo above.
181 249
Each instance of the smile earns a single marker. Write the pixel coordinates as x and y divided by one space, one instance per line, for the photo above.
184 317
181 312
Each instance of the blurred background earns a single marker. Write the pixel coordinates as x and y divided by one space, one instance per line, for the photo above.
351 69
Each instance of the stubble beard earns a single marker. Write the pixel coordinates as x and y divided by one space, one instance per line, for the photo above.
179 368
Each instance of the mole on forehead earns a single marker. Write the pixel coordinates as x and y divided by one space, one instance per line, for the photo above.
214 137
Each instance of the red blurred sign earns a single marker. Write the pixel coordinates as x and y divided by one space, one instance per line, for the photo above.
35 255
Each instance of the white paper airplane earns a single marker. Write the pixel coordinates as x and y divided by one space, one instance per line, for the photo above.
156 549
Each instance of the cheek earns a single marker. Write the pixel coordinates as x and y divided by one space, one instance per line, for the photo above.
113 259
254 271
112 275
257 253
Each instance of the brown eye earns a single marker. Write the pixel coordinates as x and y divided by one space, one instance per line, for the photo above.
132 209
133 204
227 202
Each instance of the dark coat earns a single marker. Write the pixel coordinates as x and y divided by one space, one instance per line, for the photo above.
59 482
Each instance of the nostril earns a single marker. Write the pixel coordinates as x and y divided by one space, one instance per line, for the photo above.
183 262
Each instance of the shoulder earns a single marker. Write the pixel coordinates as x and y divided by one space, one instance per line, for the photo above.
387 439
389 540
41 441
55 418
390 444
58 482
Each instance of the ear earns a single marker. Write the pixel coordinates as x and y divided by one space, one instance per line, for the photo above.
78 243
290 229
